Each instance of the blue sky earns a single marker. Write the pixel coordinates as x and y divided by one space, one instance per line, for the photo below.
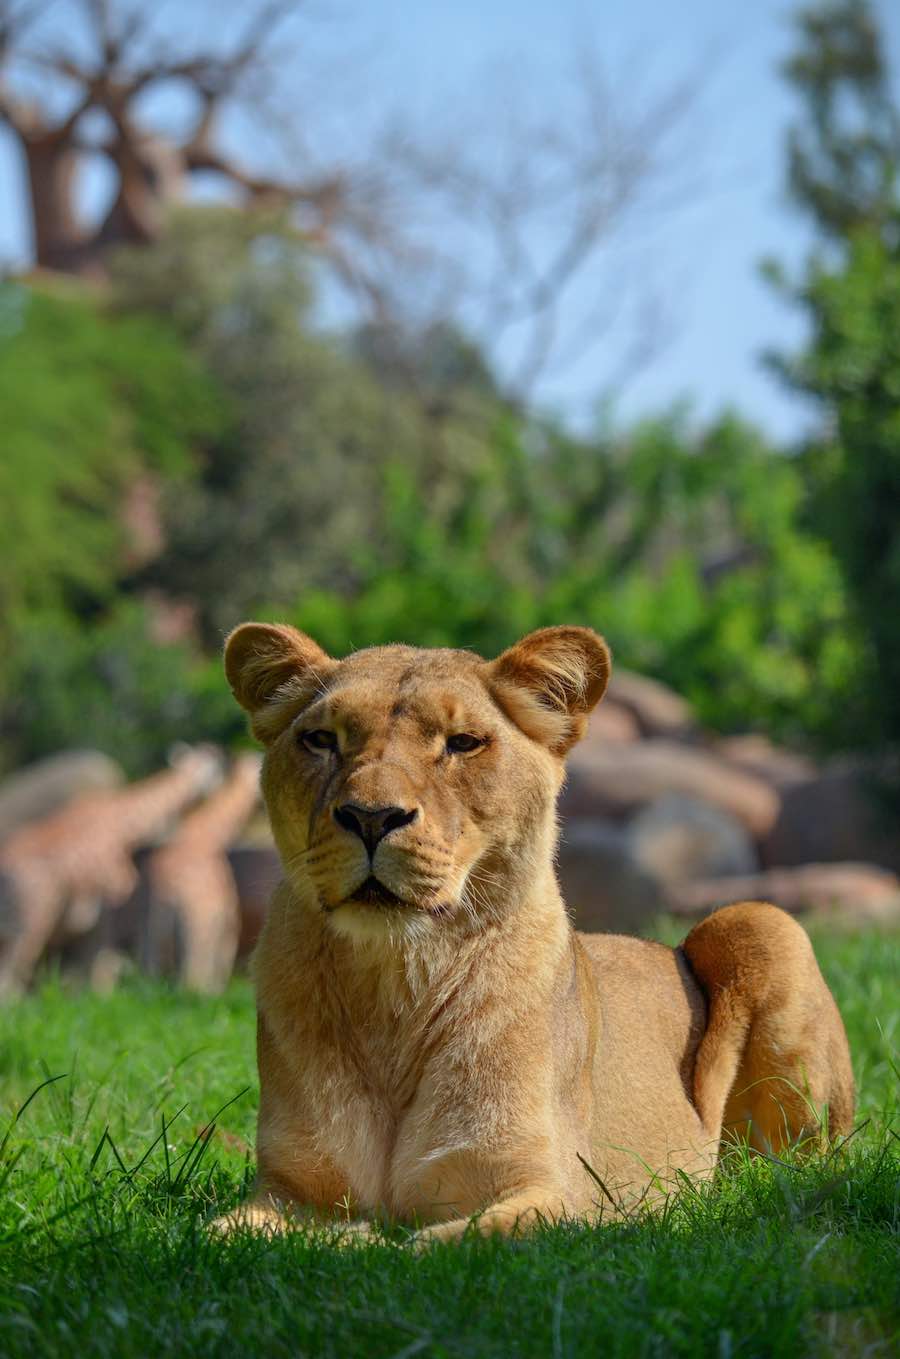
701 257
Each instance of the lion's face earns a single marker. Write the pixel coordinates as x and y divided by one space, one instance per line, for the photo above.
408 788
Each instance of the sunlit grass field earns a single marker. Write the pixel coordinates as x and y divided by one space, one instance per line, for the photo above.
109 1173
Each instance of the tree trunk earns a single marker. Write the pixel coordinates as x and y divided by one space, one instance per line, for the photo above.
60 241
152 173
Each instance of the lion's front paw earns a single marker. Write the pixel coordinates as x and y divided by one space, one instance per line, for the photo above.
262 1218
440 1231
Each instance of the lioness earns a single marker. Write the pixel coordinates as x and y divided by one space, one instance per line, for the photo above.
435 1041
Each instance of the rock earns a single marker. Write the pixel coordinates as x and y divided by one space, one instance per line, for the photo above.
611 724
677 838
601 884
257 872
756 754
618 781
835 817
42 788
854 893
658 710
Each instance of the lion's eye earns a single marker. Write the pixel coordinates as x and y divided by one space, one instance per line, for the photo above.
319 740
462 742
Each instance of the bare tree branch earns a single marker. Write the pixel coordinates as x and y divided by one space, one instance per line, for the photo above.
495 229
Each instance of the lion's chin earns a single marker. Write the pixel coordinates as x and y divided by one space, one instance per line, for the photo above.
374 913
364 923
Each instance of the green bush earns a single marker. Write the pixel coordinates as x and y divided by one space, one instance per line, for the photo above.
843 173
89 400
697 567
111 686
322 489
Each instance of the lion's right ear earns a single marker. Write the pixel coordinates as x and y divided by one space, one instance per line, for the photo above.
273 670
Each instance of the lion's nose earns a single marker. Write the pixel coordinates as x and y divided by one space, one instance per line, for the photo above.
372 824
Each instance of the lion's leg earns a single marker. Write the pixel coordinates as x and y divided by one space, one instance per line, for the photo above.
262 1213
719 1059
794 1085
296 1184
774 1065
520 1213
272 1210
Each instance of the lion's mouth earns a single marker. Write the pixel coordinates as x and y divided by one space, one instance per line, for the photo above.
374 893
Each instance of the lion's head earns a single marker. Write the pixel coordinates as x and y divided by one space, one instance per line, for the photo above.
410 787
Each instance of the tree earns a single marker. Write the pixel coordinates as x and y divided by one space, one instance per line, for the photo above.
843 160
290 496
93 405
710 581
126 59
843 163
100 412
491 228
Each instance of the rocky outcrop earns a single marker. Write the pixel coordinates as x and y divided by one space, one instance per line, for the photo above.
617 782
677 838
656 815
602 885
257 872
611 724
756 754
841 814
657 709
850 892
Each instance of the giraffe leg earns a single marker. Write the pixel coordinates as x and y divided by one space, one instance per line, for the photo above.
29 918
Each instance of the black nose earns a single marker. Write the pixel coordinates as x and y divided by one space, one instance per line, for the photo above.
372 824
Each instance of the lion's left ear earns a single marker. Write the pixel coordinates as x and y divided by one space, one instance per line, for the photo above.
550 681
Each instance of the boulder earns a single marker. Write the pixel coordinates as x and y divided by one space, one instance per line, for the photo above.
836 817
618 781
677 838
854 893
602 886
658 710
611 724
756 754
42 788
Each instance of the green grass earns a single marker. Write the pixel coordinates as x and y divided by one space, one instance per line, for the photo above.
106 1183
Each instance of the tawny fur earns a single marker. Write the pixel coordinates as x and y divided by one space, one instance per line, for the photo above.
465 1052
773 1066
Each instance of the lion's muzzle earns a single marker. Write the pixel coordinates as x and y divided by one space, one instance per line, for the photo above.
372 824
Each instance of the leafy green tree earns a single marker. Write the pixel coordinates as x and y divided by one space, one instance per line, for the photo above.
89 402
291 498
843 158
685 548
733 600
373 489
843 166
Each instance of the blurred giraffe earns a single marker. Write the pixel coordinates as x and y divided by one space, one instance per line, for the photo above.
60 872
194 918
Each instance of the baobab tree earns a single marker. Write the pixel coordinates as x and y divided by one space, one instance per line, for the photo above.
123 62
490 225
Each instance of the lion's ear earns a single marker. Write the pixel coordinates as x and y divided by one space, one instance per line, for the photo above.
273 670
550 681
